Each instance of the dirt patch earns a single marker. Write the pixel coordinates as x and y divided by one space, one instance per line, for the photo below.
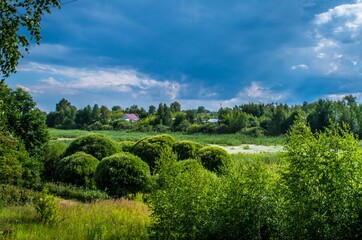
252 149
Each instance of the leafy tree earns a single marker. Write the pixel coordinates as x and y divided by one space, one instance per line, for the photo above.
84 117
152 110
323 180
20 24
191 116
105 115
21 118
64 115
163 116
96 113
175 107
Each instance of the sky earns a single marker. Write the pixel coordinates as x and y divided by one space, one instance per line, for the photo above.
208 53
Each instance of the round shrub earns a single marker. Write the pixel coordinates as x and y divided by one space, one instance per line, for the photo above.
77 169
122 174
126 145
214 158
97 145
150 149
186 149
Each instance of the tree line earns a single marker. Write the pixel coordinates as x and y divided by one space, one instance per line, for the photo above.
255 119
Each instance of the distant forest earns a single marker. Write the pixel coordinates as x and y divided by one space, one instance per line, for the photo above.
255 119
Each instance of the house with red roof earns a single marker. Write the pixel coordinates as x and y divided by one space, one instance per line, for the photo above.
130 117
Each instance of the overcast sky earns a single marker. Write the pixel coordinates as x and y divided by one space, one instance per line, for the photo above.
200 52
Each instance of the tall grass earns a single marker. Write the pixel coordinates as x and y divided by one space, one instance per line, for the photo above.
110 219
220 139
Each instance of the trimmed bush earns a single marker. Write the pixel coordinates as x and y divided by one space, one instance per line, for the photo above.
122 174
126 145
214 158
96 145
77 169
186 149
149 149
52 155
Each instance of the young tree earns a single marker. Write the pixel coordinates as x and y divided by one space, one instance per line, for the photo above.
20 24
323 180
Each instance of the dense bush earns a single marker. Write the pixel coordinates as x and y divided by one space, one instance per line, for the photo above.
185 205
214 158
122 174
186 149
11 159
77 169
75 192
14 195
96 145
52 156
126 145
149 149
323 184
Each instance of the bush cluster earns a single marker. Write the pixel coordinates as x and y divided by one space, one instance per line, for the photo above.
214 158
185 149
96 145
149 149
77 169
122 174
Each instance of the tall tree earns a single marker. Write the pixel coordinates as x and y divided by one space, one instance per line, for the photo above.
20 24
175 107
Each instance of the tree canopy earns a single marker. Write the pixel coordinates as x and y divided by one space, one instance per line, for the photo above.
20 24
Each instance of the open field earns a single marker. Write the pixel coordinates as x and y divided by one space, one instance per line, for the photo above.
219 139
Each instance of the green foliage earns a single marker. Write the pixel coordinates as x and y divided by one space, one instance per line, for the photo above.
126 145
20 23
23 120
52 155
214 158
111 219
77 169
96 145
248 208
185 204
186 149
323 184
11 195
47 207
74 192
31 174
122 174
10 159
149 149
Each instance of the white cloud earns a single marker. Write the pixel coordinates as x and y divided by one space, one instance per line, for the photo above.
340 96
258 93
68 80
335 36
300 67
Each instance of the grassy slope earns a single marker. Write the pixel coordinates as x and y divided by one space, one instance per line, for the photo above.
116 219
220 139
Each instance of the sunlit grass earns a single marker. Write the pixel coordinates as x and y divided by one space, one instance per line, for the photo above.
110 219
220 139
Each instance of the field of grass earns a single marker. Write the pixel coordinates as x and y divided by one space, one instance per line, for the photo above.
220 139
110 219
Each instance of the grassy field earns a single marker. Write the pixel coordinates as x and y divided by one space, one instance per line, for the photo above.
220 139
111 219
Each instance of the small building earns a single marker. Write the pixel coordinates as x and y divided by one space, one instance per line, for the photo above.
130 117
